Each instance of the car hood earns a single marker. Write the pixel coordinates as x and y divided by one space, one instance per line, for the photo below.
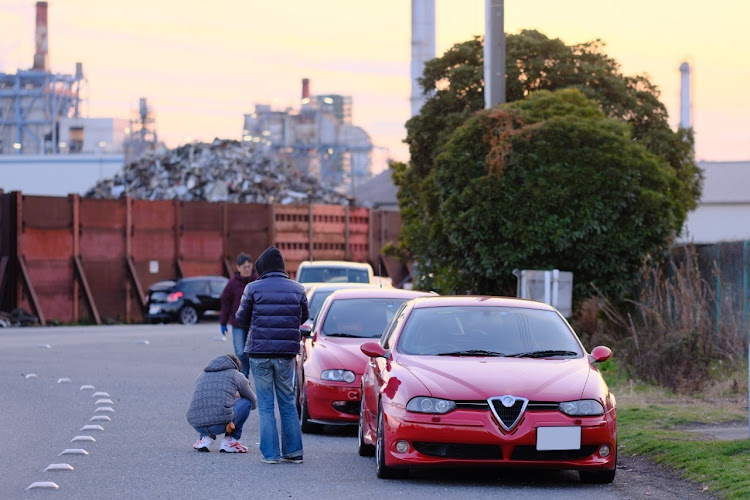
460 378
343 353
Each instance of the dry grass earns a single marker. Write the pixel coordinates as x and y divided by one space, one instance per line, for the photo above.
671 335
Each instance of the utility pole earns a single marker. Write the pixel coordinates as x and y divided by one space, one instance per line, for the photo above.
494 53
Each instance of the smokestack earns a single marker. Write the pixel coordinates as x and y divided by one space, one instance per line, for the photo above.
305 88
685 101
422 47
41 56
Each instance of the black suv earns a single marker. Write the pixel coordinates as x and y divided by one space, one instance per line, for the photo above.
186 300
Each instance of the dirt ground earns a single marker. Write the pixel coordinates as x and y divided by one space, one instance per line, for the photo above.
641 479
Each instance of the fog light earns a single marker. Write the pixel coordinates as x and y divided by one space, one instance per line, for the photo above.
402 446
604 451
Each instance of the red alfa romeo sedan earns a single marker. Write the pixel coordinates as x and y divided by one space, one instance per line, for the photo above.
331 363
485 381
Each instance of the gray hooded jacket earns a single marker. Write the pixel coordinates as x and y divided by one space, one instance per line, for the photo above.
216 390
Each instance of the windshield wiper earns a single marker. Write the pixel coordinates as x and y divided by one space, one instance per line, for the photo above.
472 352
542 354
349 335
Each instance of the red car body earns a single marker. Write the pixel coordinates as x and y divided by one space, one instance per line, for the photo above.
347 318
498 402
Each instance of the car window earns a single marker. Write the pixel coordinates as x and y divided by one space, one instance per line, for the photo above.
385 340
506 330
194 286
333 275
316 301
217 286
365 318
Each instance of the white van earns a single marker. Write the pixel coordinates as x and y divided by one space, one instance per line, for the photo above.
333 271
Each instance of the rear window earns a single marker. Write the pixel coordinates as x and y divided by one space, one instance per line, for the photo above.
193 286
333 275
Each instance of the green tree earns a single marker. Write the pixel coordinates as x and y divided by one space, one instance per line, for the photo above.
550 182
453 196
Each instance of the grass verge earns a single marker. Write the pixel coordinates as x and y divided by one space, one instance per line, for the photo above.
652 423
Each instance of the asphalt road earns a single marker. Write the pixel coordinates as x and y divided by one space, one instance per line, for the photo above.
145 449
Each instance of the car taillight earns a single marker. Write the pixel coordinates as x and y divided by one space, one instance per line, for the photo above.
174 296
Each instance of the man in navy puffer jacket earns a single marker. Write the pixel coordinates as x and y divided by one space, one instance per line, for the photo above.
273 307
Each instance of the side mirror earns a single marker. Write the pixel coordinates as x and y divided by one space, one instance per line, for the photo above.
601 353
373 349
305 330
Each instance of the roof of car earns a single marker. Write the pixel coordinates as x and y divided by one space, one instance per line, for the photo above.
333 263
194 278
327 287
377 292
478 301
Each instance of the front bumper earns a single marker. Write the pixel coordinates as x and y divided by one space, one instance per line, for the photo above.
474 438
333 403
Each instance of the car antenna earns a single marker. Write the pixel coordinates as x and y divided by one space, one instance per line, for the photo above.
380 275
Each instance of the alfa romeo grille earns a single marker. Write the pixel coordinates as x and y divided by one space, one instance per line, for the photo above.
508 410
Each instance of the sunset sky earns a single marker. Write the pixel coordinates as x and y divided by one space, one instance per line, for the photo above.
201 68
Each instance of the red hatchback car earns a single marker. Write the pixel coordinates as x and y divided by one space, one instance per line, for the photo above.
486 381
331 363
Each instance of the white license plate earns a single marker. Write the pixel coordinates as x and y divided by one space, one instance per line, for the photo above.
153 310
558 438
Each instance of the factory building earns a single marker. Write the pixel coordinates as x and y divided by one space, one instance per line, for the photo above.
318 139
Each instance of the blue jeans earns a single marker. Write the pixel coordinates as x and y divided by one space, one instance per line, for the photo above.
242 409
239 337
276 375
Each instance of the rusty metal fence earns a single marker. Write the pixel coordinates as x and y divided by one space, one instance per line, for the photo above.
72 259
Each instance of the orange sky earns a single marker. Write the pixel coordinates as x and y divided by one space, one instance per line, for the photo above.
202 68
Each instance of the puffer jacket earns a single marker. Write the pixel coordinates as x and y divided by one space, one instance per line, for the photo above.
273 307
215 392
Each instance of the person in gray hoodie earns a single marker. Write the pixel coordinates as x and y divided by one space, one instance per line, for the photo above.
221 403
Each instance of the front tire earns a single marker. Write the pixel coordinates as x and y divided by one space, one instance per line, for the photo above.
304 418
382 470
365 450
188 315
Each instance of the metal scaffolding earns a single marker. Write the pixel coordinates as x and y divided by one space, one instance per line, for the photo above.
31 106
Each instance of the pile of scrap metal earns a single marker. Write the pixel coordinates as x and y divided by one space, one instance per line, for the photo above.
224 170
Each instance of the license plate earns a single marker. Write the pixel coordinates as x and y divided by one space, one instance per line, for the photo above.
558 438
153 310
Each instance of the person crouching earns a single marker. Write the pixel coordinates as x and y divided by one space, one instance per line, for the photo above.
221 403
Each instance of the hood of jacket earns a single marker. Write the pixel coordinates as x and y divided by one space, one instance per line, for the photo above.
224 362
270 260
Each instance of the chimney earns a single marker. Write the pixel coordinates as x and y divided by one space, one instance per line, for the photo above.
422 47
41 56
685 101
305 88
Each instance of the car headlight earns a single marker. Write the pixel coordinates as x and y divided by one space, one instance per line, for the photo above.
422 404
338 376
582 408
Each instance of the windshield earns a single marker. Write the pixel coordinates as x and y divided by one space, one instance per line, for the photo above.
333 275
488 331
316 301
362 318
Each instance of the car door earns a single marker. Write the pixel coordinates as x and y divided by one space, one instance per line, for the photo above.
213 299
373 379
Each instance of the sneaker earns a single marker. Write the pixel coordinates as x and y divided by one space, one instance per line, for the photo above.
292 460
231 445
203 444
269 461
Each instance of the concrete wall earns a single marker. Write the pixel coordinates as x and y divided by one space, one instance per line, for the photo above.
56 175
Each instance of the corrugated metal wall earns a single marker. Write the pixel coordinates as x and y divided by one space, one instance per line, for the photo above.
73 259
